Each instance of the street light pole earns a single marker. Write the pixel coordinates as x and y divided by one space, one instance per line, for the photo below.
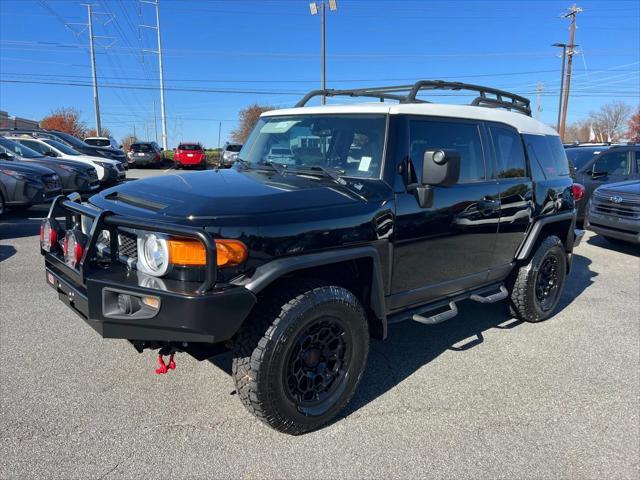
313 8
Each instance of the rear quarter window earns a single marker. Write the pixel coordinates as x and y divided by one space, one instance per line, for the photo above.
546 156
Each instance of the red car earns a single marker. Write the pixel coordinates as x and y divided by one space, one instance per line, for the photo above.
190 155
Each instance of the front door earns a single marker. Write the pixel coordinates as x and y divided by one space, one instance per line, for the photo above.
449 246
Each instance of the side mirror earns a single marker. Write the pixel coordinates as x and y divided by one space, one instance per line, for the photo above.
120 147
5 156
596 174
439 168
50 153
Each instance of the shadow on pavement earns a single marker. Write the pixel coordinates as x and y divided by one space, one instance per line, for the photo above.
616 246
411 345
22 223
6 251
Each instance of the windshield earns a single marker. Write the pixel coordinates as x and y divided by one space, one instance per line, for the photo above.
141 147
186 146
233 148
581 156
76 142
351 144
61 146
14 148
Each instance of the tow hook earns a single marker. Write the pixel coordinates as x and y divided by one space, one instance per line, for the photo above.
165 367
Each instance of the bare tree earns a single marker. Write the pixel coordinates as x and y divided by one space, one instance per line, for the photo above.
577 132
105 132
247 120
127 141
610 122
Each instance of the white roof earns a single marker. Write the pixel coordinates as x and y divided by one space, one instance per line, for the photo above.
521 122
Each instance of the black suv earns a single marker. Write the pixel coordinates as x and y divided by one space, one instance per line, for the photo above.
380 213
599 165
73 142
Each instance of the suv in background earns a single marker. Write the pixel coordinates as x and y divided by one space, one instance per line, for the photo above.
229 154
385 213
22 186
601 165
103 142
190 155
145 154
71 141
614 212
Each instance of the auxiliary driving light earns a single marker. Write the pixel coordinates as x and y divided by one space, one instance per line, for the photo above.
49 234
73 248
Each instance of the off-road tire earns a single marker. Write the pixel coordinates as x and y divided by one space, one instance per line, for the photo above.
523 302
266 341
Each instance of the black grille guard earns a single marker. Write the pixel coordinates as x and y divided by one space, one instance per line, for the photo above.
72 210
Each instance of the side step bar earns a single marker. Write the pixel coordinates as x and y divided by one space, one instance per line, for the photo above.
440 317
421 313
496 297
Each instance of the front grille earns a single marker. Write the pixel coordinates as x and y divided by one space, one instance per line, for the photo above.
617 205
128 245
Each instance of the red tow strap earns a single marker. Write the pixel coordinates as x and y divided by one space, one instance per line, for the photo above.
165 367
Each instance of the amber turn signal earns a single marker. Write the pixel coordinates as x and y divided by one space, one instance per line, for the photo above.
184 251
230 252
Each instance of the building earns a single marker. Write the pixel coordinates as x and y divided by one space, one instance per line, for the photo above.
7 121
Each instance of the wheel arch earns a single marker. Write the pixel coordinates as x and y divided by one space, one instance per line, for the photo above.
357 269
561 225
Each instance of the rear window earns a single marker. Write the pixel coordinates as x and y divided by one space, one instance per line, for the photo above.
233 148
546 156
187 146
141 147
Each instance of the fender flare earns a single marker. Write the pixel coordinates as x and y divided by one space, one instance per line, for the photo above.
532 235
266 274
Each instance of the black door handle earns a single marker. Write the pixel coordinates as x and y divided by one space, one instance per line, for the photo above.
488 204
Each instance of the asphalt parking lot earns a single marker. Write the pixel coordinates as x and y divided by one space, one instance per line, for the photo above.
480 396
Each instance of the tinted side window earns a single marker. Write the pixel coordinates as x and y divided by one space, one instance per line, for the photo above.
463 137
559 166
509 152
37 146
541 158
637 155
612 163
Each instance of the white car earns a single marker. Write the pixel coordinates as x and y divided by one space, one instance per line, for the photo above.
109 171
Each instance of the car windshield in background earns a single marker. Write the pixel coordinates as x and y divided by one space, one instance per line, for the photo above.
350 144
189 147
581 156
62 147
233 148
14 148
76 142
141 147
98 142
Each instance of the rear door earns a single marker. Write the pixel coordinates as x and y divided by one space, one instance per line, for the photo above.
515 191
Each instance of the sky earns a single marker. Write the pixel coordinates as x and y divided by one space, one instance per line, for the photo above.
222 55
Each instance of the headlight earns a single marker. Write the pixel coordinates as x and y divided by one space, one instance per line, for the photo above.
153 254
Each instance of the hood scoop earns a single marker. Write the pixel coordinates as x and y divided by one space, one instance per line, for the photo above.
138 202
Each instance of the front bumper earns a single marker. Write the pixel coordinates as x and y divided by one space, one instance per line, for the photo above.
614 227
187 311
183 316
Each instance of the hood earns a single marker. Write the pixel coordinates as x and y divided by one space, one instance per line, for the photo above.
55 164
216 193
23 168
630 186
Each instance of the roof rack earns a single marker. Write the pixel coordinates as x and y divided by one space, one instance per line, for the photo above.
496 99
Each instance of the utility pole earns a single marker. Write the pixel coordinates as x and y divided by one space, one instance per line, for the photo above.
564 61
163 116
573 11
219 133
539 90
155 121
134 132
313 7
96 101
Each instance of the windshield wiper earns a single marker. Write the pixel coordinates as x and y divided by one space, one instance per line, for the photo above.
333 173
278 167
